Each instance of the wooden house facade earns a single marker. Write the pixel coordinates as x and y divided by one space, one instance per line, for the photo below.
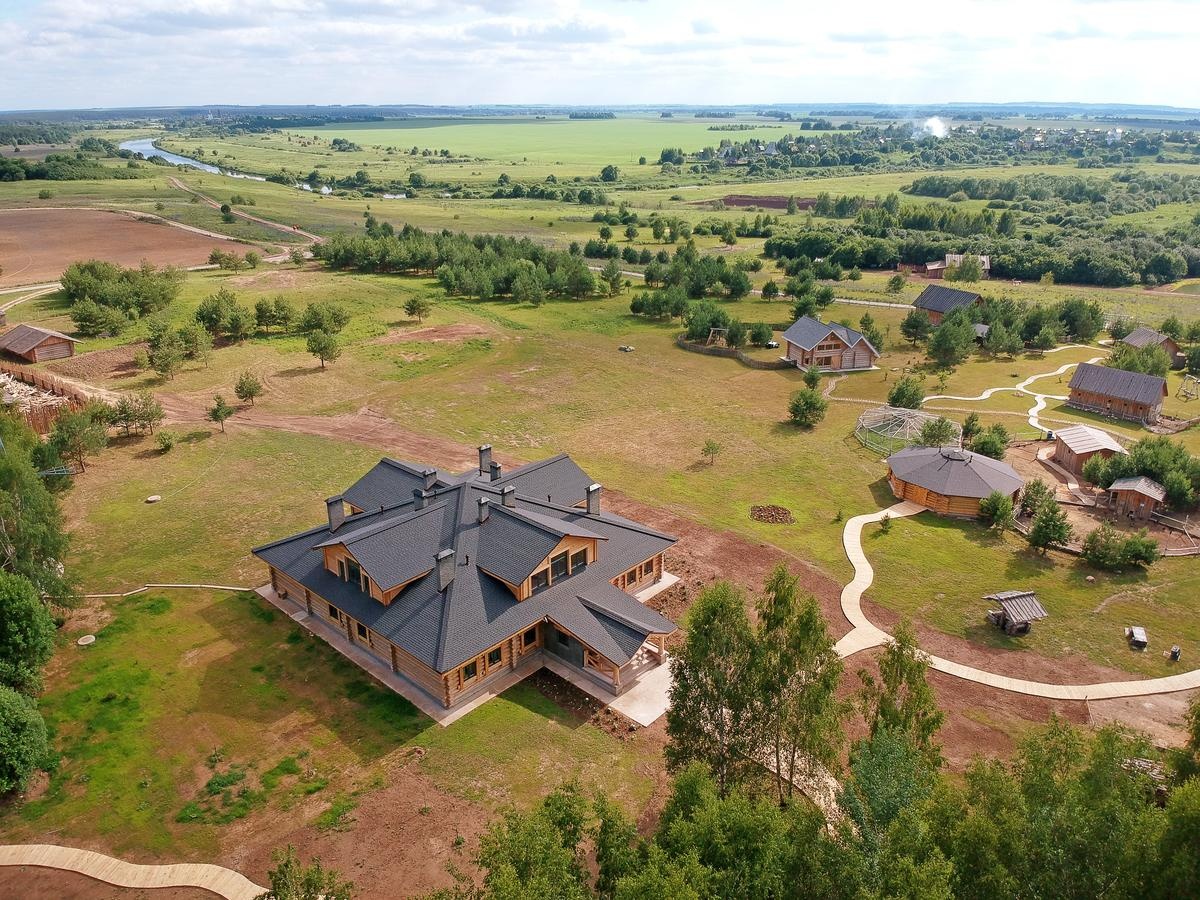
1117 394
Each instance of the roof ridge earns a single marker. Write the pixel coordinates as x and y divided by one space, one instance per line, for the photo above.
383 525
530 467
448 594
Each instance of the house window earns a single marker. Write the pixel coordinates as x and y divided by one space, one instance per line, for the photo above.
493 658
529 638
353 572
579 560
341 567
558 566
362 630
539 581
648 569
632 575
334 613
561 638
469 671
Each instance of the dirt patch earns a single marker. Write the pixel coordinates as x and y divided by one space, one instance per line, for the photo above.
766 201
583 706
433 334
281 279
36 245
32 883
1161 716
99 364
772 515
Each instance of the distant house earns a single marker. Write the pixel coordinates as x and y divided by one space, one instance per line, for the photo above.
938 301
828 346
949 481
1118 394
1138 497
450 581
1148 337
955 259
37 344
1075 445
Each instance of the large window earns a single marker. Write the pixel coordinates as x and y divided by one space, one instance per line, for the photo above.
529 638
362 631
333 612
469 671
493 658
540 580
579 560
353 572
558 566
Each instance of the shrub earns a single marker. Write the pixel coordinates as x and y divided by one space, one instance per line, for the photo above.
165 441
906 393
992 442
997 510
1105 548
23 742
936 433
760 333
1050 527
807 407
1035 494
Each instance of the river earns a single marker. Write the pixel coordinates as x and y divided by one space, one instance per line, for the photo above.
145 146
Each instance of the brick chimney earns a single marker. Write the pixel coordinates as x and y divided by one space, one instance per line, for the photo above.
593 500
445 569
508 496
337 512
485 508
485 459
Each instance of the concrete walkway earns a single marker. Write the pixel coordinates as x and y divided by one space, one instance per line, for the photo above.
866 634
220 881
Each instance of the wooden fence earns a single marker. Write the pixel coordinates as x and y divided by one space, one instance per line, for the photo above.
733 353
42 418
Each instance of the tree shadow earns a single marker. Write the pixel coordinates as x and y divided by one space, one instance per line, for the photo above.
298 371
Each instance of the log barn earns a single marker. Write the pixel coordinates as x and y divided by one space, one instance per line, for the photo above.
1076 444
1148 337
452 581
1136 497
36 344
938 301
1117 394
949 481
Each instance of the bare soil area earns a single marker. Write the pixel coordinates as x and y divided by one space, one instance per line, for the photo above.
433 334
1160 716
99 364
32 883
36 245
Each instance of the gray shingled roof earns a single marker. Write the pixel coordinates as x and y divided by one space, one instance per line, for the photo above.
25 337
953 472
941 299
1144 337
1140 484
445 628
1133 387
808 332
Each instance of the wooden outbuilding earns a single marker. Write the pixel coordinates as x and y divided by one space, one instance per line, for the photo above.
949 481
1137 497
938 301
1148 337
1075 445
1017 613
1133 396
37 344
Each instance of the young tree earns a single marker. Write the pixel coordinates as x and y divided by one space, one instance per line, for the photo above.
1001 341
812 377
328 317
951 342
24 746
970 269
770 290
80 434
148 413
792 208
26 634
1049 527
417 308
253 258
631 232
197 343
869 330
291 880
264 314
248 387
296 255
166 358
239 323
711 717
1036 493
220 411
606 233
760 333
1045 339
901 700
895 285
710 449
324 346
33 539
906 393
997 510
612 275
285 314
937 432
970 427
993 442
807 407
735 334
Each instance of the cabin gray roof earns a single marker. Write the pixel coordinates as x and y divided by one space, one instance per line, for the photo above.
808 332
1133 387
1144 337
1086 439
1019 606
443 629
25 337
953 472
1140 484
941 299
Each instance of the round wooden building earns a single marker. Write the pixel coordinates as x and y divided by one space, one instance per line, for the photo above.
949 481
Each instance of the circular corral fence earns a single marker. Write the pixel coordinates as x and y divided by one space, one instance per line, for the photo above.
886 429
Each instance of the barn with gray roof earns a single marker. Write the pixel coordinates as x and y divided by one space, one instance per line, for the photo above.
37 344
938 301
453 580
1117 394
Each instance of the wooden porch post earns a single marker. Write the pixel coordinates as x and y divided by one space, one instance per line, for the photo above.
392 648
308 601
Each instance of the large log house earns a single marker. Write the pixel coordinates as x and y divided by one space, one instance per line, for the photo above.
452 580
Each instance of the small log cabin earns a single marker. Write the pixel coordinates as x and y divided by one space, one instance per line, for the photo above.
828 346
1075 445
453 580
36 344
1148 337
938 301
949 481
1137 497
1118 394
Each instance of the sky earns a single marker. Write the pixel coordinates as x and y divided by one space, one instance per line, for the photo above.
59 54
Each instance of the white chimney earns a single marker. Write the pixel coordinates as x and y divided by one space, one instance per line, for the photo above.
485 459
430 478
485 508
496 471
593 500
508 496
445 569
337 512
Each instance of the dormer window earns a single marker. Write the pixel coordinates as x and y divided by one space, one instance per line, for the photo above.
540 580
558 566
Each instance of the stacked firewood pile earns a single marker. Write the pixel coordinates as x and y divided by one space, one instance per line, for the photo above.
772 515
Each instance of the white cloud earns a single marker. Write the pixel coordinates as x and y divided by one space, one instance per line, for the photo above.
71 53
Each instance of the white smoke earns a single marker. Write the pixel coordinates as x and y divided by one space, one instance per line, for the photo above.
935 126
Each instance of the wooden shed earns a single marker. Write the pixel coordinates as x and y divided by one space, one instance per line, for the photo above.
1075 445
37 344
938 301
1136 497
949 481
1148 337
1118 394
1018 611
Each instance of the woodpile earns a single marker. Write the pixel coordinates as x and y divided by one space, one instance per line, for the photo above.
39 408
772 515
